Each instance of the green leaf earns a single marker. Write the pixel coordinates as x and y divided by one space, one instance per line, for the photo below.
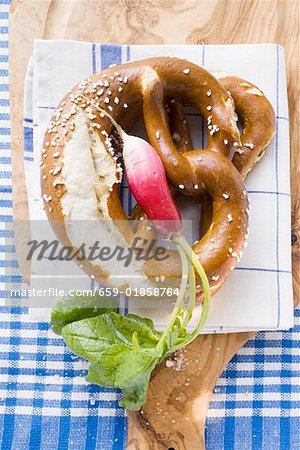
97 374
123 367
126 362
90 337
122 351
71 309
134 395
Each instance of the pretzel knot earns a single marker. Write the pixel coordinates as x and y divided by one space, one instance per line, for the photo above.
81 170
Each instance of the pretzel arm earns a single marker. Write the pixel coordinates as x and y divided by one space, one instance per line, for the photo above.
258 119
180 130
206 214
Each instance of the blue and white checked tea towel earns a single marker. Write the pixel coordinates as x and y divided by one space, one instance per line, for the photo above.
46 404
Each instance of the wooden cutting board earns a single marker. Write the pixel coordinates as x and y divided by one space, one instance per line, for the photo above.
175 413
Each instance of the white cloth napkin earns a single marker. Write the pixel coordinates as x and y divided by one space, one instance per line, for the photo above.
257 295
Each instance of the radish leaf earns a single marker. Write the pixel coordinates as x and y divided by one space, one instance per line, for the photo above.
70 309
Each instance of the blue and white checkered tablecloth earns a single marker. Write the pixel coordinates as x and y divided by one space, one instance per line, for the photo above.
45 402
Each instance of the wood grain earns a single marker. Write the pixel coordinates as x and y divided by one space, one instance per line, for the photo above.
178 397
175 412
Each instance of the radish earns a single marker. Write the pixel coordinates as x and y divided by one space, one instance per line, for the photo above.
147 181
148 184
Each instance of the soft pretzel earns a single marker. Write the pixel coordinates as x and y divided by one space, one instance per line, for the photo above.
259 125
80 169
258 120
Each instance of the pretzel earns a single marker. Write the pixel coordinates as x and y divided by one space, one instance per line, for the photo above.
80 169
259 124
258 120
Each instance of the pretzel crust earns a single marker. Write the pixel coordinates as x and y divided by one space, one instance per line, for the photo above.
258 120
259 126
128 91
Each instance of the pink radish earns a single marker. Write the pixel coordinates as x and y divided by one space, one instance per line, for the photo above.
147 181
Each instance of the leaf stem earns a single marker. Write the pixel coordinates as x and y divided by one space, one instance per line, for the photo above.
192 295
182 243
180 298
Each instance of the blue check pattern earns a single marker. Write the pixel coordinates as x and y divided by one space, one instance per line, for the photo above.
45 402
